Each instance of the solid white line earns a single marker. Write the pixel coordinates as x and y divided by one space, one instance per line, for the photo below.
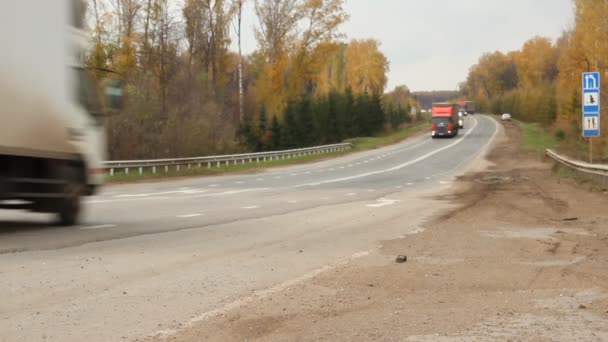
101 226
382 202
189 215
395 168
251 207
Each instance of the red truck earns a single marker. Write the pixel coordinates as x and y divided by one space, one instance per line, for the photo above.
444 120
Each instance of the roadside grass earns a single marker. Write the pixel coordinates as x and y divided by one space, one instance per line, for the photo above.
360 144
536 138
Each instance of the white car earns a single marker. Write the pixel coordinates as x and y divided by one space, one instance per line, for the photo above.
506 117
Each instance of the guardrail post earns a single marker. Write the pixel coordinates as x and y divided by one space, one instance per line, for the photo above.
177 168
257 160
111 172
208 165
166 168
140 171
153 169
126 170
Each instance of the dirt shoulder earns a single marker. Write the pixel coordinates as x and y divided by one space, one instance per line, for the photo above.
524 257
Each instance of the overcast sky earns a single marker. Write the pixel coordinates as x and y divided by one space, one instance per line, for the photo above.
431 44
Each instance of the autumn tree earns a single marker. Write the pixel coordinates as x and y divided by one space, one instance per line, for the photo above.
366 67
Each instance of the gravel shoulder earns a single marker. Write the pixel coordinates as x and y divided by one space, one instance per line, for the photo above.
522 257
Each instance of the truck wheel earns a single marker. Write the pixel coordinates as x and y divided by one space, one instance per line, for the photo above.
69 207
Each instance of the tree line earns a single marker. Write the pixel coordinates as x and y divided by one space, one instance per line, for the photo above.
541 82
190 94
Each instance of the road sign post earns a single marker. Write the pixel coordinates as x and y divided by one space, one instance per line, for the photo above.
591 108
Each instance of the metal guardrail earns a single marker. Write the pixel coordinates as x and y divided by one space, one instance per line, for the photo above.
597 172
218 161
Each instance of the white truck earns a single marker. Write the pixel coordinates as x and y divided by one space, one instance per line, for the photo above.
52 135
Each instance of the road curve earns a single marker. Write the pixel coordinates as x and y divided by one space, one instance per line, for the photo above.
151 256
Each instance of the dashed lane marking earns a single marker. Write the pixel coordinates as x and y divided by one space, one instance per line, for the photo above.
101 226
189 215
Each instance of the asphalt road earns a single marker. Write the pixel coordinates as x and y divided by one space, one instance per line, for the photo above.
151 257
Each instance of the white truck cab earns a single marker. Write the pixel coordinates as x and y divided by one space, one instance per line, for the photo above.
52 136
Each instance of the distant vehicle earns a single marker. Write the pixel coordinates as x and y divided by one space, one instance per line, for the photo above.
52 135
506 117
469 107
444 120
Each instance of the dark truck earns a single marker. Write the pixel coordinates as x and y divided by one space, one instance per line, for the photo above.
469 107
444 120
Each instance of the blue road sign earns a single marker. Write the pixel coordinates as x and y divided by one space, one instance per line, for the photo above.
591 104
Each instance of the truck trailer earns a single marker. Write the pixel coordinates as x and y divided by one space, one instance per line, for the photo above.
444 120
52 135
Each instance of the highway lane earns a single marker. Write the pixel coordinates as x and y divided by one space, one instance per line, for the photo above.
162 253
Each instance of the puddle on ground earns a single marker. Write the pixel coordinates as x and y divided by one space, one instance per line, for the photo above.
531 233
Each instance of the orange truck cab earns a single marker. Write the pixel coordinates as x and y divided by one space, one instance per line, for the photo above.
444 120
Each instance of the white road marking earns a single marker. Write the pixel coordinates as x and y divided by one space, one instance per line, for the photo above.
260 179
307 172
239 182
350 165
341 167
101 226
251 207
399 187
277 177
394 168
427 178
332 169
444 182
351 194
232 192
293 175
178 192
292 202
214 185
382 202
189 215
129 200
371 190
410 184
184 188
